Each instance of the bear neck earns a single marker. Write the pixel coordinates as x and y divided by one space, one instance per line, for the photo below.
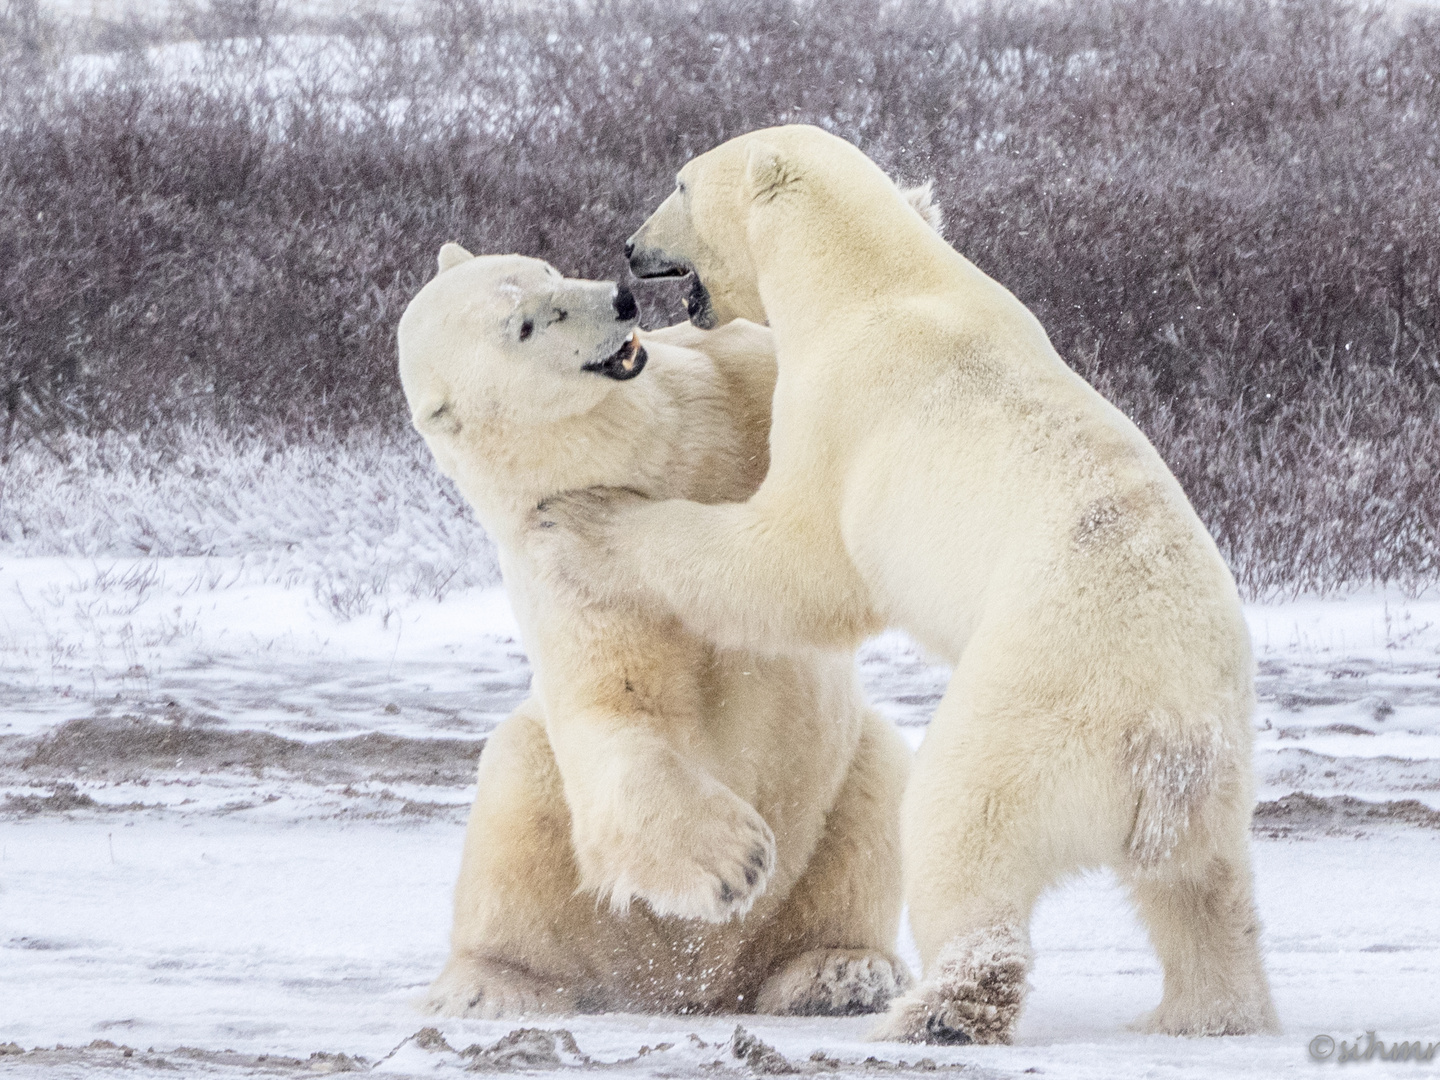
860 244
637 437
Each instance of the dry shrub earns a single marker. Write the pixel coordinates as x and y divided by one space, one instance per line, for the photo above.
1226 214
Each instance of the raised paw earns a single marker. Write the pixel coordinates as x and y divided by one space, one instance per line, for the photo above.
718 869
973 995
833 982
689 847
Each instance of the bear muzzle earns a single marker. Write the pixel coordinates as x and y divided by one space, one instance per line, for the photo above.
624 303
624 363
648 263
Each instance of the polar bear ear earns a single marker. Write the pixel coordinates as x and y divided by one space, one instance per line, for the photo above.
767 173
922 198
452 255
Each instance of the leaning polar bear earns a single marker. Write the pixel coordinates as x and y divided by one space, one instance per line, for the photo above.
934 464
649 765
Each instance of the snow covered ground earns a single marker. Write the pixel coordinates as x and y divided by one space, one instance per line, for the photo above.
232 813
258 935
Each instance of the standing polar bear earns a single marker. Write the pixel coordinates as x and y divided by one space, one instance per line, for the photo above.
649 765
934 464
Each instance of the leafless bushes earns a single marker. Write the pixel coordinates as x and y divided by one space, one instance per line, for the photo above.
1226 214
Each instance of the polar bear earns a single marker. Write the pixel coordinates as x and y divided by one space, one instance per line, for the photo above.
935 465
709 784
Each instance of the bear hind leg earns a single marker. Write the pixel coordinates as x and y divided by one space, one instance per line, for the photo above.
828 950
982 840
1203 924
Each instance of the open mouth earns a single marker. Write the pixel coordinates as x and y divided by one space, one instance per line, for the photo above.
653 265
661 273
697 305
624 363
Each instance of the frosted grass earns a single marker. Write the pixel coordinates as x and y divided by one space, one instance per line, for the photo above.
366 518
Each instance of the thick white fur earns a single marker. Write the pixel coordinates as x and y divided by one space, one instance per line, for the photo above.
649 766
935 465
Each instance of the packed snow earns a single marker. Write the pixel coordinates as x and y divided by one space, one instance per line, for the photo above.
233 811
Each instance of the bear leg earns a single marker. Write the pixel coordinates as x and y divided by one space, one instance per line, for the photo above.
828 950
651 825
1203 924
719 567
985 831
522 940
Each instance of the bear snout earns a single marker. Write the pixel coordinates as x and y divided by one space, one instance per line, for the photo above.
648 262
625 306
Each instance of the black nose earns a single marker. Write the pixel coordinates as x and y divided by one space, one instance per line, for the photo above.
625 306
629 248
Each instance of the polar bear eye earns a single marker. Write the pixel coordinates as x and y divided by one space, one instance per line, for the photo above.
526 329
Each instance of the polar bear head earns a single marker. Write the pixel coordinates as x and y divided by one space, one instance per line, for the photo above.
706 228
507 340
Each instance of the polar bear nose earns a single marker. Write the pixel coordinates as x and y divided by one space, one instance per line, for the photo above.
625 306
629 248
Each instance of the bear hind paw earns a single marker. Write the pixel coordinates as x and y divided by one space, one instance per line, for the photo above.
973 996
833 982
493 990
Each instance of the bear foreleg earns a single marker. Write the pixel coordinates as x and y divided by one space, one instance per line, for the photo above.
738 574
649 824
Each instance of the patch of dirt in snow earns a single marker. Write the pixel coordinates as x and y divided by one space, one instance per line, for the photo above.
134 747
1293 769
103 1057
133 763
1299 814
62 799
530 1051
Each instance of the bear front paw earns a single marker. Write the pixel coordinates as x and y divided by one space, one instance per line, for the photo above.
712 865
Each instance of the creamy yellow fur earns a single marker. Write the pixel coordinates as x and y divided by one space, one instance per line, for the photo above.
750 803
935 465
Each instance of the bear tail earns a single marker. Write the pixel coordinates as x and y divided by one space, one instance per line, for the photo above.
922 198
